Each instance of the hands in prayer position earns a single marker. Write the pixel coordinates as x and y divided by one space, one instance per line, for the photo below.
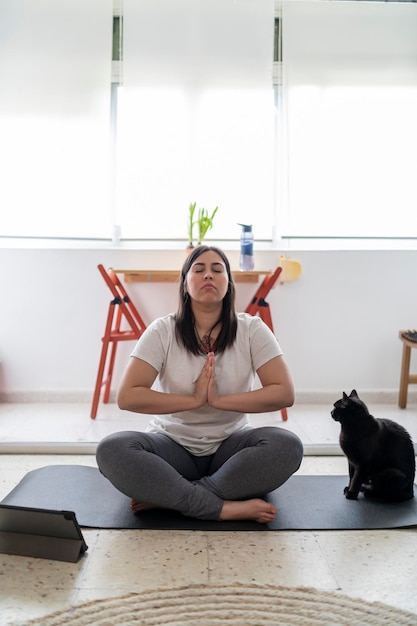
206 388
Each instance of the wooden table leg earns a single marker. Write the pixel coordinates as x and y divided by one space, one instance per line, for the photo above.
404 379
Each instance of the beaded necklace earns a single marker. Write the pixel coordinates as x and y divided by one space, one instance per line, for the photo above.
207 343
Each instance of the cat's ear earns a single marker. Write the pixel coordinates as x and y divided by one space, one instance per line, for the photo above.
345 397
353 394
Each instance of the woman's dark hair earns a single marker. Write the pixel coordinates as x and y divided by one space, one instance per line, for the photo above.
185 322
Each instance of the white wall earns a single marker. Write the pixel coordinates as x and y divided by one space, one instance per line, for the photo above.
338 324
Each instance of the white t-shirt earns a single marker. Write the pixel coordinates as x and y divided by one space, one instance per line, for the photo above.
202 430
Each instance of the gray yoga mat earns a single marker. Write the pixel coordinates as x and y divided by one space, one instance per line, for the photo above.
303 502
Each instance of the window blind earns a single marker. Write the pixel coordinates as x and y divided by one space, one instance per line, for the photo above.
55 71
350 93
195 119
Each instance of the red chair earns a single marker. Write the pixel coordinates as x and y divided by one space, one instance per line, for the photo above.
259 306
121 310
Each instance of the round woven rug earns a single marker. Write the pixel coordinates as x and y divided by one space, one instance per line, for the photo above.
232 605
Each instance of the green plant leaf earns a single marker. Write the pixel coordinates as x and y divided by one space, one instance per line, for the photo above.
191 222
205 222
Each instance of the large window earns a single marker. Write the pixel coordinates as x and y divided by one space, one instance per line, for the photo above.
350 123
196 116
126 120
55 68
190 113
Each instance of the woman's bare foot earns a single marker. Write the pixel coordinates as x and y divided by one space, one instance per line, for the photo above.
256 509
137 506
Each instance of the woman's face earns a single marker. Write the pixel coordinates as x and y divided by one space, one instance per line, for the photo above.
207 280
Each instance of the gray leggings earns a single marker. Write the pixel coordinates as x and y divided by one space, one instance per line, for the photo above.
152 468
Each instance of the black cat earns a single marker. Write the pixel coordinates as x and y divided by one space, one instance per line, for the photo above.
380 452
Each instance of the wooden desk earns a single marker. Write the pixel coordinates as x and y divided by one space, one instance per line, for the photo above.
291 270
172 276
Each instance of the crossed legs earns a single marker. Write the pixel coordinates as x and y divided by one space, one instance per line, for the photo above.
154 470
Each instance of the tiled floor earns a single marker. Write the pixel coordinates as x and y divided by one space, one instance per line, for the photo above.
373 565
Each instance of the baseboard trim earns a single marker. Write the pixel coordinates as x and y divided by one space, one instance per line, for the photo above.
303 396
89 448
51 396
49 447
370 396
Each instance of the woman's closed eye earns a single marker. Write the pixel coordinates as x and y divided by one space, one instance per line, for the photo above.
199 269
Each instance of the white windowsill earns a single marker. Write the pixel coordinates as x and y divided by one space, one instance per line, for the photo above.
282 245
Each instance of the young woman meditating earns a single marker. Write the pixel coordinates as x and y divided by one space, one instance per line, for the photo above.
193 371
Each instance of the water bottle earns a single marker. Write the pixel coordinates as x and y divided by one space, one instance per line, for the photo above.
246 248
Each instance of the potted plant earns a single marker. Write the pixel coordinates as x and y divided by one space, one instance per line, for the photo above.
204 223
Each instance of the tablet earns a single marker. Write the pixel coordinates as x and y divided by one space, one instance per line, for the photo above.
42 533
